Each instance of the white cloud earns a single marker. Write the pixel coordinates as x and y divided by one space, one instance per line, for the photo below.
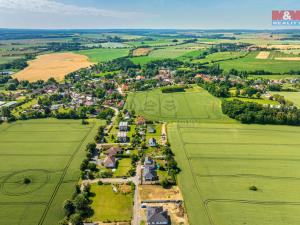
54 7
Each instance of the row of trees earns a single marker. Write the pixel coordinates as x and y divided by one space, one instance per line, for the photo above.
250 112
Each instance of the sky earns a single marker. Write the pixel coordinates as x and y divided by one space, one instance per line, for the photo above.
170 14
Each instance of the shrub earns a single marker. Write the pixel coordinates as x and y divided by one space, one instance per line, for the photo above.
253 188
26 180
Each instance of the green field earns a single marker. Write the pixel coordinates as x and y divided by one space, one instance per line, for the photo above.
110 206
220 162
256 100
250 63
218 56
275 77
48 152
180 52
104 54
292 96
195 105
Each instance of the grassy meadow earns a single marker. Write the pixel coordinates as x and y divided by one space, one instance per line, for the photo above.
104 54
48 152
196 105
221 163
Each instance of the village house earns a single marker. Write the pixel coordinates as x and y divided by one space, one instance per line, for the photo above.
149 162
157 216
127 116
109 162
152 142
149 174
122 137
113 151
123 126
151 130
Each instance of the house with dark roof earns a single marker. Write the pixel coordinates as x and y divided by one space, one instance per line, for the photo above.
114 151
149 162
109 162
149 174
152 142
123 126
122 137
157 216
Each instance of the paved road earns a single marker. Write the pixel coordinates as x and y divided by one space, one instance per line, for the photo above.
137 205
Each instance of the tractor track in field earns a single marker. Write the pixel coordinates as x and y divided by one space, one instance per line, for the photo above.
61 180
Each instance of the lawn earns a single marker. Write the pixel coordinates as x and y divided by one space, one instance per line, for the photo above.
104 54
220 162
250 63
196 105
110 206
124 165
292 96
48 152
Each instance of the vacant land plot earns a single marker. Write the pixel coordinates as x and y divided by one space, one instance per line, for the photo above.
141 51
250 63
48 153
292 96
197 105
157 192
263 55
111 206
56 65
233 170
104 54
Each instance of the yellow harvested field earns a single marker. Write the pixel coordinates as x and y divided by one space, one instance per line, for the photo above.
281 47
263 55
141 51
56 65
288 58
157 192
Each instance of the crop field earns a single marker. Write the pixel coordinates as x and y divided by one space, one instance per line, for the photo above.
220 56
250 63
229 170
155 43
180 52
56 65
104 54
48 153
196 105
292 96
141 51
